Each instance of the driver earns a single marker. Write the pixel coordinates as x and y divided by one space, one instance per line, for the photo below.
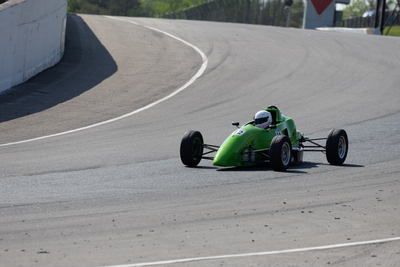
263 119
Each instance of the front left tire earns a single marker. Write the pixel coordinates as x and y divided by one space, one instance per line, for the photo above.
191 148
337 146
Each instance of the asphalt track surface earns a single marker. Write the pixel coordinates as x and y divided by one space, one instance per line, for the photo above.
117 194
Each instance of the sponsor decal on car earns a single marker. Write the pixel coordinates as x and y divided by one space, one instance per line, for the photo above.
248 156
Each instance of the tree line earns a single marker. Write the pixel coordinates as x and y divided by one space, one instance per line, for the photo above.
137 8
358 7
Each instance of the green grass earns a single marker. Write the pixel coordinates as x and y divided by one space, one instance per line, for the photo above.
394 31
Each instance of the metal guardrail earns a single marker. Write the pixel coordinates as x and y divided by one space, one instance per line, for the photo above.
359 22
367 22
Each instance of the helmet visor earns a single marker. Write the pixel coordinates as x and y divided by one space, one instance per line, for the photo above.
261 120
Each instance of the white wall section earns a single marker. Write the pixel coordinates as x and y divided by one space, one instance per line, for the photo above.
32 37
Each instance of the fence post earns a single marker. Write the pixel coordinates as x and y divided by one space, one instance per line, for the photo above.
267 13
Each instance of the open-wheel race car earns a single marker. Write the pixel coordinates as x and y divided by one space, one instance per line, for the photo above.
279 144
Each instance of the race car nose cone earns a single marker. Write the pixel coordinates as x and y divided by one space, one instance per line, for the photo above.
225 157
219 161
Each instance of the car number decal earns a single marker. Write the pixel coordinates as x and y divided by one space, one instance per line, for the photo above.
278 132
239 132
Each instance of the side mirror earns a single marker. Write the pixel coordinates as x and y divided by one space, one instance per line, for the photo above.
235 123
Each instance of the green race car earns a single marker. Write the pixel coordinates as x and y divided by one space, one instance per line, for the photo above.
279 144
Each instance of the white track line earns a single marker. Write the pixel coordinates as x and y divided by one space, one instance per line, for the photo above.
259 253
192 80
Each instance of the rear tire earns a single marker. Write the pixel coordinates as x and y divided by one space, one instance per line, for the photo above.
337 146
191 148
280 153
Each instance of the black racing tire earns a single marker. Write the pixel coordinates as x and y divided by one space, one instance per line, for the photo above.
280 153
337 146
191 148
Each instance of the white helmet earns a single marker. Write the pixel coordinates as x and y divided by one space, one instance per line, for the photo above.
263 119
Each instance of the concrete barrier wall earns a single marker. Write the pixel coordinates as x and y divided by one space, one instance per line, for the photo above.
32 37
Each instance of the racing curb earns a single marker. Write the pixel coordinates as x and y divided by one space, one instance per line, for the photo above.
374 31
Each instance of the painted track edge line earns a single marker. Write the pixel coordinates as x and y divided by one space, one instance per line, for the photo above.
260 253
192 80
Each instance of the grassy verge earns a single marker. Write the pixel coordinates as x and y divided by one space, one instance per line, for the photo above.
394 31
